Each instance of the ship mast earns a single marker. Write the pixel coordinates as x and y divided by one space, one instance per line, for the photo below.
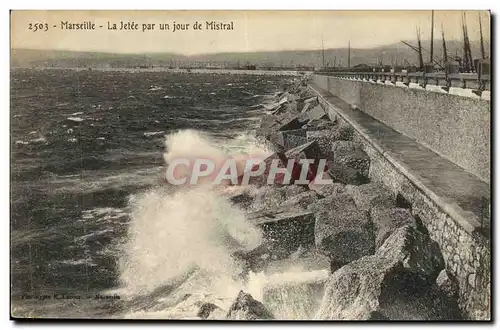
445 54
469 65
420 58
465 55
432 39
481 34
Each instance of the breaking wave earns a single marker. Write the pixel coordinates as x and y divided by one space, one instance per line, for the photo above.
184 239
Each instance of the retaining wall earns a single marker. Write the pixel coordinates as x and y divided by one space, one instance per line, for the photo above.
467 254
455 127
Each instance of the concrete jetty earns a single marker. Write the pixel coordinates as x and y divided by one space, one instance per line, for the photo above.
400 218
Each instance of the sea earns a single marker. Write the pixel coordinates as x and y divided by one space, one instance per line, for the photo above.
96 232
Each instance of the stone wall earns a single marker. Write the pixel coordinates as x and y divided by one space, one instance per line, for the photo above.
455 127
467 255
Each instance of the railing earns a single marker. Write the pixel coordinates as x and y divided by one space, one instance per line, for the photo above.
478 83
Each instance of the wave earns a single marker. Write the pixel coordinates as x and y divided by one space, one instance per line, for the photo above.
171 234
180 246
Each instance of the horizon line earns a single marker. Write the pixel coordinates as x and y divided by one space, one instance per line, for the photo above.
215 53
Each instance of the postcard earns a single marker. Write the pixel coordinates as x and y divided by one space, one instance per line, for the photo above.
250 165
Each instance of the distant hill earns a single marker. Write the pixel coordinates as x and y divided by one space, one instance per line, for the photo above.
394 53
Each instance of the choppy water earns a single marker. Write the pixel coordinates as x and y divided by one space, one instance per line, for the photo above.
90 213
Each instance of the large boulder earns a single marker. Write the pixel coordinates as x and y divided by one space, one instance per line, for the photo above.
394 284
288 107
448 284
313 100
318 112
416 251
293 190
210 311
367 196
262 179
341 231
245 307
285 228
344 146
343 132
306 107
348 165
321 124
309 150
303 199
289 139
324 190
292 107
353 291
387 220
268 197
295 122
323 138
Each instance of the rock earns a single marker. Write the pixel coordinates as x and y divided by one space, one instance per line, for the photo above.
309 150
293 190
320 125
294 123
343 132
448 284
353 292
285 228
344 147
349 167
306 107
303 199
278 137
316 113
387 220
268 197
370 195
243 200
271 145
390 285
311 100
209 311
292 95
289 139
261 180
336 188
254 260
247 308
417 252
341 231
323 138
292 107
284 98
307 98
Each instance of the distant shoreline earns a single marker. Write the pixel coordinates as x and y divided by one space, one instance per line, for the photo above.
159 69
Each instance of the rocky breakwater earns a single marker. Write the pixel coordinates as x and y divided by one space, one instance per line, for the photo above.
381 262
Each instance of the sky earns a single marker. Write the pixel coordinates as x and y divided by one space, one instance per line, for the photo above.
253 30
